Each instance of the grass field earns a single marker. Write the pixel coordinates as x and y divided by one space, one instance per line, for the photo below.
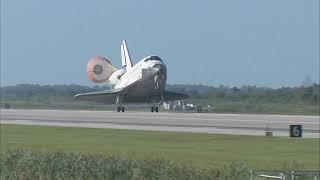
200 150
220 107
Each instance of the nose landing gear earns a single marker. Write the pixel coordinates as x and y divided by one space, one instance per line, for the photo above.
155 107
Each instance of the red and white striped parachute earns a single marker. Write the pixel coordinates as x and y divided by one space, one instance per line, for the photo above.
99 69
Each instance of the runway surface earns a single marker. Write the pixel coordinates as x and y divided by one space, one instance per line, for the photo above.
239 124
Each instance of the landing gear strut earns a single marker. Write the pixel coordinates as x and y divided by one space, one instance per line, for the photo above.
120 107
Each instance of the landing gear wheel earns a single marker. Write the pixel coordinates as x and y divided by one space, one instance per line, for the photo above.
157 109
118 108
122 108
152 109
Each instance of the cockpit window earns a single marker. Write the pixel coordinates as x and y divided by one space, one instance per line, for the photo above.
152 58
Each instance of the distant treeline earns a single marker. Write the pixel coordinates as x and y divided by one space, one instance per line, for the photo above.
207 94
45 93
252 94
224 99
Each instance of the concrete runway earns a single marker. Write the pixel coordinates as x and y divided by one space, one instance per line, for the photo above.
239 124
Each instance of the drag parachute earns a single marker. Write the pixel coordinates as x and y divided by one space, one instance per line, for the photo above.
99 69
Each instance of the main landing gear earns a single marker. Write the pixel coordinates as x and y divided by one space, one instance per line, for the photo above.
120 108
154 109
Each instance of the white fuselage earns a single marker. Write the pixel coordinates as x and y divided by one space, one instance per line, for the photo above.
135 73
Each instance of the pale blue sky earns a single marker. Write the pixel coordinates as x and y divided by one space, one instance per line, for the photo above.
250 42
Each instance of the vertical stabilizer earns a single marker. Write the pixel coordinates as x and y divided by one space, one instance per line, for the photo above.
125 56
123 59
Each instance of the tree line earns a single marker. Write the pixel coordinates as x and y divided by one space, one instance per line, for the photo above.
250 94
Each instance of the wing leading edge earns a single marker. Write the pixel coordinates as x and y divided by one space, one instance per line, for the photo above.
110 96
107 96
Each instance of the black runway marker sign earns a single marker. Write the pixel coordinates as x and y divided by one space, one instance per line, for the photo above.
296 130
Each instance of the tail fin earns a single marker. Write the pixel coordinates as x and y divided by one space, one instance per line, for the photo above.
125 56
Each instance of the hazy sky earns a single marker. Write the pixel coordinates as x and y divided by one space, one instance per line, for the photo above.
250 42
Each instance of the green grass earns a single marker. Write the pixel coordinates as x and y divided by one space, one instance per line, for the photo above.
263 108
220 107
200 150
77 166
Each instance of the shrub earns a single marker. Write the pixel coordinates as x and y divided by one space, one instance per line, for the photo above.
57 165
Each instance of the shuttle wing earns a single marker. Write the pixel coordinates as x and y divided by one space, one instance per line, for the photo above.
110 96
107 96
171 96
